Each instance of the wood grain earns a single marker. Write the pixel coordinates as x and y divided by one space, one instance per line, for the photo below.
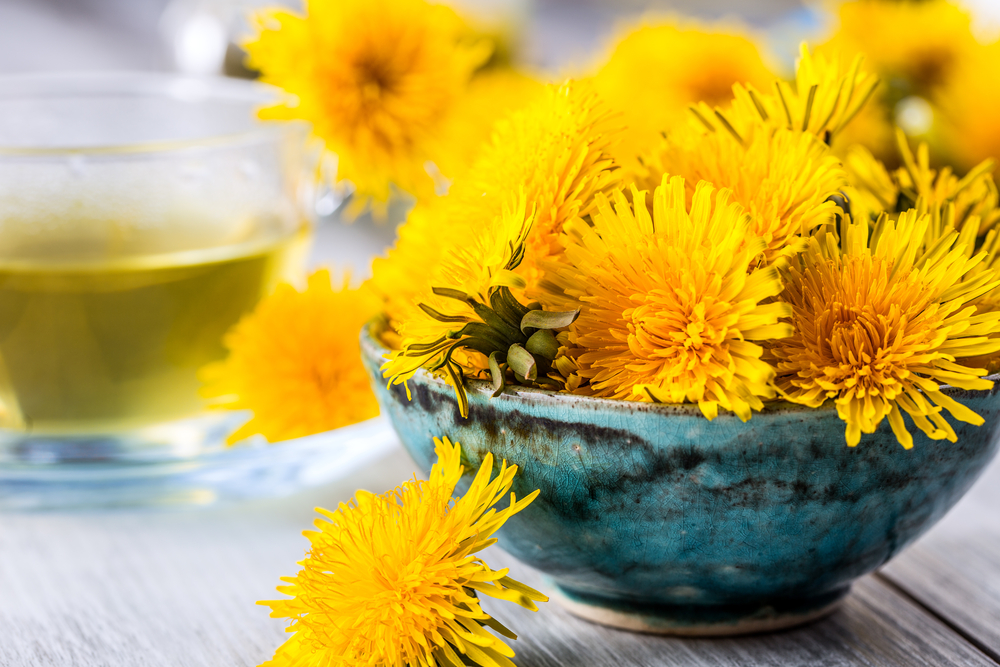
955 568
876 626
137 589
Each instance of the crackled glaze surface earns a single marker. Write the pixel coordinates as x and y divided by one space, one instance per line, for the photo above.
654 512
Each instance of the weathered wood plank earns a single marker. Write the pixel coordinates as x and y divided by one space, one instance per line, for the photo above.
876 626
157 589
135 589
955 568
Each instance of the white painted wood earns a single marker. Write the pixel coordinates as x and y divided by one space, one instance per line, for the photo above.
876 626
169 588
955 568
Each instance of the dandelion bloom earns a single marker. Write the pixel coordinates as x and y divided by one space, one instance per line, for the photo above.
668 308
785 179
972 199
553 155
914 44
559 152
656 72
296 362
915 47
881 325
772 150
823 100
394 579
556 151
437 331
375 78
968 104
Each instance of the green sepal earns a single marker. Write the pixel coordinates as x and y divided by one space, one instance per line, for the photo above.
522 363
501 629
507 307
543 343
546 319
508 331
441 317
424 347
450 293
458 381
486 333
499 381
484 347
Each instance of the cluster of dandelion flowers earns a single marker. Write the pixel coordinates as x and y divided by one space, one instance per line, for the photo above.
669 311
784 178
555 155
394 579
772 150
376 79
880 325
295 362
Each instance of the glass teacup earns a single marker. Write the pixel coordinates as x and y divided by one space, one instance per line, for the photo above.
141 216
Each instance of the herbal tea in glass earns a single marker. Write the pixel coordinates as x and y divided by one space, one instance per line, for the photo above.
93 342
140 218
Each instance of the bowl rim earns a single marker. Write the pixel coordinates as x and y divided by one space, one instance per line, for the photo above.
371 343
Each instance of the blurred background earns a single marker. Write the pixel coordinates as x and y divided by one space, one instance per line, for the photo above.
196 35
192 35
556 37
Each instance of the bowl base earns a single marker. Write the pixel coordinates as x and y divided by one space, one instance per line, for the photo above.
696 620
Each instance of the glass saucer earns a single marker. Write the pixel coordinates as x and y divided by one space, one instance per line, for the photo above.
183 463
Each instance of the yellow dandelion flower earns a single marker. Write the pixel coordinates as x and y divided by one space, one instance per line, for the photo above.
880 325
473 269
914 44
468 320
915 47
787 180
555 151
463 319
990 301
872 190
490 96
825 98
375 78
296 362
402 277
772 150
970 202
559 152
968 106
395 579
668 311
656 72
974 195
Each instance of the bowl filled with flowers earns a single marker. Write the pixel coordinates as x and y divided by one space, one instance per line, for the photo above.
744 367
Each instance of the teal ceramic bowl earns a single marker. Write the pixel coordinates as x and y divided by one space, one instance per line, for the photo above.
652 518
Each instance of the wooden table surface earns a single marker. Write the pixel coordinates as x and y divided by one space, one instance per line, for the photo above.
135 588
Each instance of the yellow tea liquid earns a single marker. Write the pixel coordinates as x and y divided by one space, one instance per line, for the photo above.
109 343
